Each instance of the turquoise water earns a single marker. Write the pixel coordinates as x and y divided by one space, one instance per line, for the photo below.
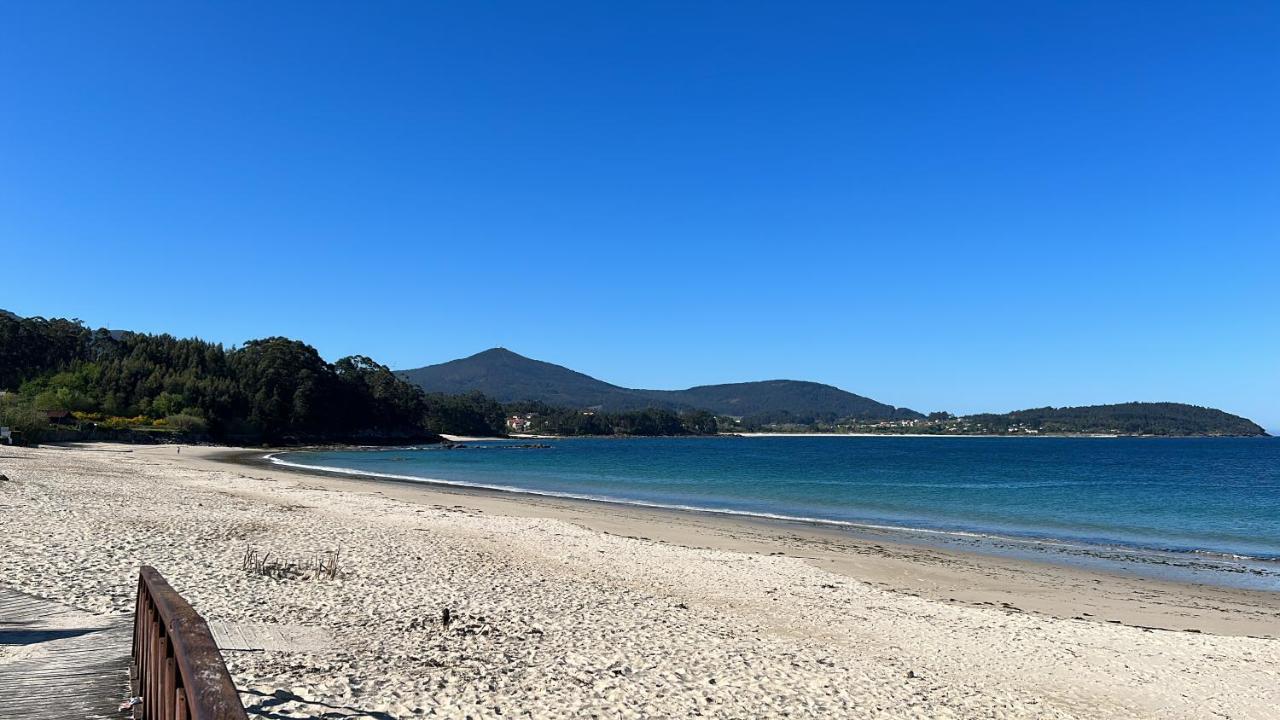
1199 508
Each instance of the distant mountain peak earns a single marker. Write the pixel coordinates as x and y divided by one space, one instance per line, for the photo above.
500 353
508 376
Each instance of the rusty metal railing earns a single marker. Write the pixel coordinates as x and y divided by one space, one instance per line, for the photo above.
177 671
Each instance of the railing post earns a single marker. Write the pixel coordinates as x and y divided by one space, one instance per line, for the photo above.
177 669
169 686
157 651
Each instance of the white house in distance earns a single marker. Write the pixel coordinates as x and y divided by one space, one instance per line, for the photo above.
520 423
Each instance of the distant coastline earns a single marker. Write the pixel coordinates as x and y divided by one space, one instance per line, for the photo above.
1100 436
985 435
542 398
61 381
946 435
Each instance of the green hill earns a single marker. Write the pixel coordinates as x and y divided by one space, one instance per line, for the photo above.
782 397
509 377
1132 418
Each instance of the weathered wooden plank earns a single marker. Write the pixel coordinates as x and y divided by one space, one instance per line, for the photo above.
71 664
279 638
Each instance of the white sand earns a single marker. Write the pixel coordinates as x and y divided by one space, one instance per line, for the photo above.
558 621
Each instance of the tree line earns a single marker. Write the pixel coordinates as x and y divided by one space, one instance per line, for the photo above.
550 420
1134 418
273 390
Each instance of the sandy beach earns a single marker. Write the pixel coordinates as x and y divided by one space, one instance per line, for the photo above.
575 609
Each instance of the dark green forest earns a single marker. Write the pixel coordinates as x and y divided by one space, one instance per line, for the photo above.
273 390
550 420
510 377
1135 418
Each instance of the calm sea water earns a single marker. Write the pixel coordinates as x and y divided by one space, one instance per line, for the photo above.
1201 509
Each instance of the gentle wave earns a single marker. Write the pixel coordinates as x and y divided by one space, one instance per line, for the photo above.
274 458
1039 541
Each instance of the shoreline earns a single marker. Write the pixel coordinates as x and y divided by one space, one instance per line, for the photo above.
1186 560
1084 436
563 609
959 571
941 435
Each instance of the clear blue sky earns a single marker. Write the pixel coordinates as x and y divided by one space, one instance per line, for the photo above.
964 206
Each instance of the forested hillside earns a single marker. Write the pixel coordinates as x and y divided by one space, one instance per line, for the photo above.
510 377
1135 418
273 390
791 398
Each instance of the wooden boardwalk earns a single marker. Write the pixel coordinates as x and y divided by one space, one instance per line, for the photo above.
59 662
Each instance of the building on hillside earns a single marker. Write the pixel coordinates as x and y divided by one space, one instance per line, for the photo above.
519 423
59 417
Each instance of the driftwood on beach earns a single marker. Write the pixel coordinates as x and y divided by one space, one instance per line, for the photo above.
323 564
